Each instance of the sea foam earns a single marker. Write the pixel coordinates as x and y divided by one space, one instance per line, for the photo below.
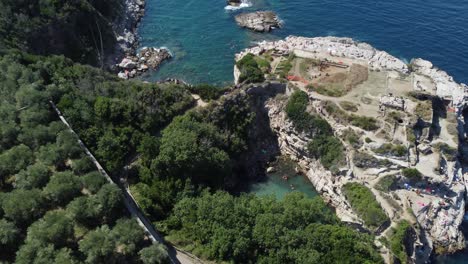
244 4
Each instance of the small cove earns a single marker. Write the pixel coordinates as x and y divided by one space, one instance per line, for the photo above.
282 181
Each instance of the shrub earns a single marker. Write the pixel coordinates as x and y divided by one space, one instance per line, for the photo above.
392 150
364 122
412 174
206 91
328 150
386 183
284 67
352 138
449 152
364 160
397 240
349 106
250 71
302 120
364 204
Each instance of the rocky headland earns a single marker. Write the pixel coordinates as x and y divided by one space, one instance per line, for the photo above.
417 115
260 21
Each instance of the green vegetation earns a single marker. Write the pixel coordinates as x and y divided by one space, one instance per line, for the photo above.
296 109
285 66
329 89
424 110
54 206
262 63
81 30
250 71
324 146
349 106
364 122
352 138
394 117
449 153
386 183
390 149
329 150
412 174
248 229
364 204
206 91
397 240
305 64
365 160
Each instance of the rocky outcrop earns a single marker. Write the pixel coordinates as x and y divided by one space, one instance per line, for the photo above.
234 2
147 58
331 46
260 21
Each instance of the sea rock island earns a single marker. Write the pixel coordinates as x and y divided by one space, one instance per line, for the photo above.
261 21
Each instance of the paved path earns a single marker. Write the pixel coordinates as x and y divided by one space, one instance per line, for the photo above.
176 256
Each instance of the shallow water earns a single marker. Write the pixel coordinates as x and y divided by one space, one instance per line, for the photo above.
204 37
276 185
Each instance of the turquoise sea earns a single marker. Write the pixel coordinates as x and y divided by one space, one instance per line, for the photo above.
203 38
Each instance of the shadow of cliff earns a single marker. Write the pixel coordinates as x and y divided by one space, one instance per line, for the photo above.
262 141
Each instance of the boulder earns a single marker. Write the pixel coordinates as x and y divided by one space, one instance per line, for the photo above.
122 75
261 21
127 63
234 2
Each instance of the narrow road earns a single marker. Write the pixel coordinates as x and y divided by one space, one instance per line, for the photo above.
176 256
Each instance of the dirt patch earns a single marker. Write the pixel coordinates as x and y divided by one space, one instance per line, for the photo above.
338 82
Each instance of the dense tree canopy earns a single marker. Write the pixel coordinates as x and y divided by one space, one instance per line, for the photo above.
52 197
248 229
58 208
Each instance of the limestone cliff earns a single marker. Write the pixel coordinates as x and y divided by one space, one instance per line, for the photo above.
389 116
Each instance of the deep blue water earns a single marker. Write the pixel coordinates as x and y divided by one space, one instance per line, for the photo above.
204 37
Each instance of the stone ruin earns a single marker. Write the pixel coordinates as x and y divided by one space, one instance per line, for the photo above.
392 102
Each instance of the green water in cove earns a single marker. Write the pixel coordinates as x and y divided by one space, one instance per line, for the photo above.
283 181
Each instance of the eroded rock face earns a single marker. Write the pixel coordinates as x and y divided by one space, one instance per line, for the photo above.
261 21
294 145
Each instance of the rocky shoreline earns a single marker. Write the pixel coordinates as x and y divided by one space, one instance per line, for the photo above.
126 62
144 60
437 229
